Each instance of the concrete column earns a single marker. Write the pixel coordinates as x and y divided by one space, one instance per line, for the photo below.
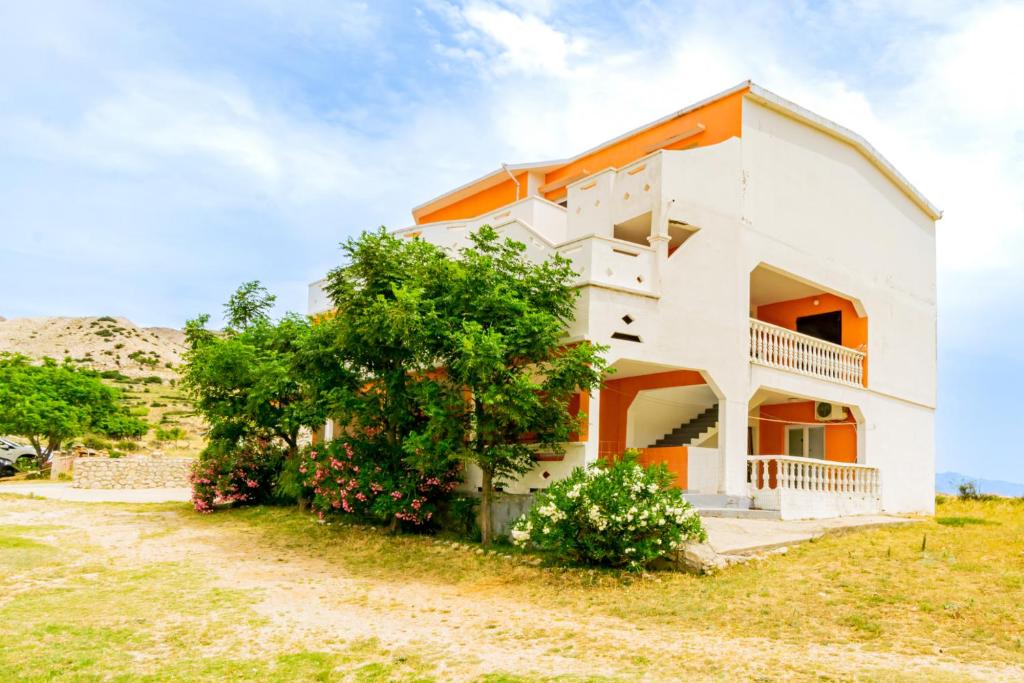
591 449
659 242
732 446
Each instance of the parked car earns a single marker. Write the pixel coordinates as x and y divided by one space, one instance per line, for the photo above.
16 452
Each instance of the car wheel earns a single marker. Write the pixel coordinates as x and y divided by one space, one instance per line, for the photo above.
7 471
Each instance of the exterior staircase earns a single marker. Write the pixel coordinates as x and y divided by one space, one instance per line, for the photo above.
685 433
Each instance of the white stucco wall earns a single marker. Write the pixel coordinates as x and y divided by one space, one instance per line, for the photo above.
786 195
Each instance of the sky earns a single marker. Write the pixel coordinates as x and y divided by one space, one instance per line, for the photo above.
154 155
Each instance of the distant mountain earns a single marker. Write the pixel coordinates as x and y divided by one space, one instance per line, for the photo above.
102 343
949 482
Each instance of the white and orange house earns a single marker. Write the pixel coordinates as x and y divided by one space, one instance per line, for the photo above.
765 281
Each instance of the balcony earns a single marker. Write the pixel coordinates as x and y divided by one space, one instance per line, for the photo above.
778 347
805 488
612 263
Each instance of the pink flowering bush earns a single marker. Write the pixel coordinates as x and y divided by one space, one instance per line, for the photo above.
347 478
242 474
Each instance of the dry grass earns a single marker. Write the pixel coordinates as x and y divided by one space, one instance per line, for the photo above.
952 585
940 600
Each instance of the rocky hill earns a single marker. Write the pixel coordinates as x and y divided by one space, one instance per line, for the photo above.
103 343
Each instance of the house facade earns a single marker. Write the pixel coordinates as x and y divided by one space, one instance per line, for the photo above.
765 282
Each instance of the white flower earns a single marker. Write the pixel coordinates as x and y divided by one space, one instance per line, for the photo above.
520 536
630 551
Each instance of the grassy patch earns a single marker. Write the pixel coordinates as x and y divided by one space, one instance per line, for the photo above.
962 521
81 620
875 586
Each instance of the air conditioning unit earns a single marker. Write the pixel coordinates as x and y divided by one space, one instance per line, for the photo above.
828 412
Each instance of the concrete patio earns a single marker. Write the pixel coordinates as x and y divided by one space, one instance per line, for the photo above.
739 536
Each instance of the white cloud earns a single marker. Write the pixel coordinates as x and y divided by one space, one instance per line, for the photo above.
518 42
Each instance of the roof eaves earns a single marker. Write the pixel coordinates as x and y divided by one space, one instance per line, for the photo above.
452 196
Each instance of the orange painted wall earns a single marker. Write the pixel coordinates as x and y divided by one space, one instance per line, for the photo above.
722 120
618 394
481 202
675 457
840 437
580 404
785 313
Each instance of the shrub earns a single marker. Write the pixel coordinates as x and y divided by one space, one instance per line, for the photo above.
152 379
128 446
96 443
356 479
122 426
969 491
242 474
104 319
172 434
113 374
619 515
103 333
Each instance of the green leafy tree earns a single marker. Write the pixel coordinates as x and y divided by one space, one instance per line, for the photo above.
244 380
49 404
503 325
373 360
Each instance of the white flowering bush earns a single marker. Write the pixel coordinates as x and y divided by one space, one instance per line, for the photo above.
620 515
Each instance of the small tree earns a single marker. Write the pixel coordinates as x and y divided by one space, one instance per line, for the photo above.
505 321
48 404
243 380
372 363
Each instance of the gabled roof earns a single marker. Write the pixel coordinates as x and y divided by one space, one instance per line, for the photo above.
753 91
784 106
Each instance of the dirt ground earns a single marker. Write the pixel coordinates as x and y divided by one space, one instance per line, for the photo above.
466 629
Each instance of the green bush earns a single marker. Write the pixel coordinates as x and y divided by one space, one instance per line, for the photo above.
128 446
103 333
172 434
104 319
152 379
113 374
122 426
96 443
622 515
969 491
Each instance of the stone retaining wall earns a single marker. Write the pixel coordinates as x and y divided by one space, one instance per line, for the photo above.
133 472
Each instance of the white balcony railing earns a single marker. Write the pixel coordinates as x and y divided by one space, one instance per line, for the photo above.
778 347
801 488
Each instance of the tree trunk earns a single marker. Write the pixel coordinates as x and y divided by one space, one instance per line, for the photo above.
393 527
486 525
291 454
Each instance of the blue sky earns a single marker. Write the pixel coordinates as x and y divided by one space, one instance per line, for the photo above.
155 154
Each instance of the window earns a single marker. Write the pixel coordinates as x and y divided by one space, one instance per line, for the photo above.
806 442
827 326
